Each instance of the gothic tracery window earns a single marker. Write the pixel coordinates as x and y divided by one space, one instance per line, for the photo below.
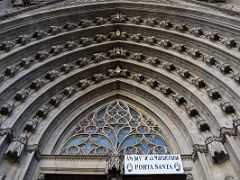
116 128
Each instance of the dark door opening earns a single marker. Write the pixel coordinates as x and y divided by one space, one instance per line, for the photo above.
104 177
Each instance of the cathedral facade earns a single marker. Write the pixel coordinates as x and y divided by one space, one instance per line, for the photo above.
85 82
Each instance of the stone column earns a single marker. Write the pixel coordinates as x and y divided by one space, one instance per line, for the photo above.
205 165
234 146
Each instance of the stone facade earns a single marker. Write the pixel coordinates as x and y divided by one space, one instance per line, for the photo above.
176 61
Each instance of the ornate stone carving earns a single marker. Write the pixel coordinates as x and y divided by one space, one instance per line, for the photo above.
227 131
211 61
136 37
113 168
197 31
21 95
82 61
153 83
98 77
150 40
30 126
16 148
56 49
214 94
118 18
118 52
202 124
136 20
10 71
6 109
66 68
84 83
237 77
41 55
181 27
166 90
213 36
85 23
36 84
229 42
227 107
100 20
51 75
125 73
192 111
54 29
180 48
154 60
100 38
55 100
169 67
200 83
70 45
42 112
165 43
216 149
26 62
118 35
5 132
180 100
189 177
38 34
23 39
69 26
138 77
226 68
7 46
166 24
137 56
85 41
195 53
68 91
184 73
114 72
99 57
150 21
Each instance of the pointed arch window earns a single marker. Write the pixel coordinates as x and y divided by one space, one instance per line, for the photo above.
116 128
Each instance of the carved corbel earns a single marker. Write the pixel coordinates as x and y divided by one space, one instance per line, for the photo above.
84 83
23 39
51 75
16 147
56 49
216 149
113 168
55 29
41 55
82 61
